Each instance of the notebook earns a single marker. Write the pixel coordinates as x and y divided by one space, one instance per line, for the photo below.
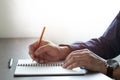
27 67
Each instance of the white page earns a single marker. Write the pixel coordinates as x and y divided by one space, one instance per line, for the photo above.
26 67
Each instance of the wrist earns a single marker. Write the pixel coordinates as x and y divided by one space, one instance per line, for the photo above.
116 73
104 67
64 50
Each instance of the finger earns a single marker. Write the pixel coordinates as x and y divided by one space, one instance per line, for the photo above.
78 58
74 59
71 61
74 53
42 54
39 58
43 61
76 64
32 49
41 50
43 58
46 57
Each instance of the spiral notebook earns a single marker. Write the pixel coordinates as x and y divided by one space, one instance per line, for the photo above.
27 67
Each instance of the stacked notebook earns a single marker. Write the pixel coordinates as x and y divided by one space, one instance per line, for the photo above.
27 67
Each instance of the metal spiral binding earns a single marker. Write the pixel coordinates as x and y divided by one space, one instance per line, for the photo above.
37 64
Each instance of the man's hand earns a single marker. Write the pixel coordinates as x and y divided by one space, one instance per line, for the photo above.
85 58
47 52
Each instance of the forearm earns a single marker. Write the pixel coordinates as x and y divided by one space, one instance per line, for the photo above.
100 46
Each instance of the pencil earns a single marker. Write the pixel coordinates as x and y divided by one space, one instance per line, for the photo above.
40 40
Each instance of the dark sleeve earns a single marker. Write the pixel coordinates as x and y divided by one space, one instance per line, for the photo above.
108 45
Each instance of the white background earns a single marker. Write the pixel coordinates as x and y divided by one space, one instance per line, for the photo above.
66 21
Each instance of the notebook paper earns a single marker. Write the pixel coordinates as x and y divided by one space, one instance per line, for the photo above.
27 67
